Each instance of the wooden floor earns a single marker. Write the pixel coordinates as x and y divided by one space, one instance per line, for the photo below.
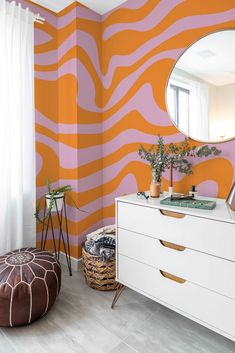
81 321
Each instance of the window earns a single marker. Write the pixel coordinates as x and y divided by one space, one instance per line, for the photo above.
179 106
188 105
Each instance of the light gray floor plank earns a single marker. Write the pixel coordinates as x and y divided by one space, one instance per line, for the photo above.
82 321
84 329
5 345
169 332
132 312
123 348
43 337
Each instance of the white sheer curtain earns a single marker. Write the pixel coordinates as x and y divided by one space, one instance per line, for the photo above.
17 136
199 111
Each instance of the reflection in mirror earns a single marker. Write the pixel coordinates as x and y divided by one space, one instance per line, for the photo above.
201 89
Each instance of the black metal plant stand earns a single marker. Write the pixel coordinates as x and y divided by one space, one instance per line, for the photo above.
48 222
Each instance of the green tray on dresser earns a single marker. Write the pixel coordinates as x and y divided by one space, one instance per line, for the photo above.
200 204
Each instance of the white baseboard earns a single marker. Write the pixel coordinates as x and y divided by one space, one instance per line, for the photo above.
76 264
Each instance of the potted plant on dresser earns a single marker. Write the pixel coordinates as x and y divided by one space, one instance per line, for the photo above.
158 160
172 157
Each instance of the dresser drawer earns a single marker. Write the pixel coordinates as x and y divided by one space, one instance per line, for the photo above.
209 236
206 270
207 306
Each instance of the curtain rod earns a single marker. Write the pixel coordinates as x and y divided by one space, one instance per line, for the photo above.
39 19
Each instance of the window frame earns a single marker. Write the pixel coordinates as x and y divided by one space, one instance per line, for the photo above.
177 89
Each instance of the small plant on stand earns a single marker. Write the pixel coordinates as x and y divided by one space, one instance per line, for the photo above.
157 158
54 200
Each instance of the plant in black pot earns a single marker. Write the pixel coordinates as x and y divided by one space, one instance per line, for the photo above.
54 200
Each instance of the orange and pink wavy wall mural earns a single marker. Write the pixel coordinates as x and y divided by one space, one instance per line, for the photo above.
100 92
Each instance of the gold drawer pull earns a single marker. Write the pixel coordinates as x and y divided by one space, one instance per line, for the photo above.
172 246
172 277
172 214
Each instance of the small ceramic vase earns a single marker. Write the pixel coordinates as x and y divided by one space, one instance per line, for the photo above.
155 189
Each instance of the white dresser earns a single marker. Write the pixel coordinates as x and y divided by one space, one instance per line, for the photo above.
182 258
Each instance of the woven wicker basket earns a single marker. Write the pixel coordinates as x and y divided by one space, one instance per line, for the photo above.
99 274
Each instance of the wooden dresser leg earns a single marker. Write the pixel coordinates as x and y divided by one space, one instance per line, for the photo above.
118 293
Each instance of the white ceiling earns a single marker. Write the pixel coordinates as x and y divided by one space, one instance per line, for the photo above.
212 58
99 6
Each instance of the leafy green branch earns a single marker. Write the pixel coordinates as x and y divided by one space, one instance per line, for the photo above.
174 156
157 158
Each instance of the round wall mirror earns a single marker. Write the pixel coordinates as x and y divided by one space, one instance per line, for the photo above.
201 89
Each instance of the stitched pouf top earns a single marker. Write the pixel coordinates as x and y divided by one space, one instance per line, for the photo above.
30 281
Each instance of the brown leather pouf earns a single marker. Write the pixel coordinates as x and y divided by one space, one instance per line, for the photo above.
30 281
